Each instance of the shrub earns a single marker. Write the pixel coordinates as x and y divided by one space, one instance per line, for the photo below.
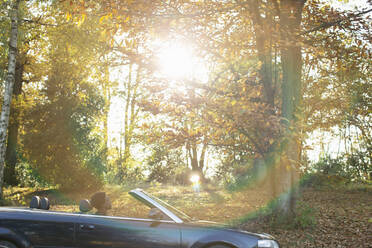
29 177
359 166
167 166
330 166
339 171
305 216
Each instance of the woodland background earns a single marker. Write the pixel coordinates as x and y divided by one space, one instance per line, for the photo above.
278 73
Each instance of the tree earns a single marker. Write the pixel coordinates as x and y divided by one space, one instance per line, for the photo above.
175 124
31 34
62 139
336 76
5 111
267 32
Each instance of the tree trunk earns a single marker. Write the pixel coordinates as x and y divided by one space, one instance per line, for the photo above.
282 158
263 31
197 164
5 111
10 177
290 21
107 94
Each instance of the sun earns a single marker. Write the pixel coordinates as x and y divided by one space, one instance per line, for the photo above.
178 61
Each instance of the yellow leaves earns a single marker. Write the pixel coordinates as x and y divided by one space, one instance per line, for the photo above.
145 126
105 18
114 12
68 16
192 115
83 97
102 19
103 33
130 43
81 20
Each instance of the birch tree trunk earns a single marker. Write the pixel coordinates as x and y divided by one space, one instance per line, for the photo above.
10 177
5 111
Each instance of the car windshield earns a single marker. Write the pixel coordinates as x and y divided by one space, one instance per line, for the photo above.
184 217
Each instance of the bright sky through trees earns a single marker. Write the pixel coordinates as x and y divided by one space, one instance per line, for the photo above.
175 61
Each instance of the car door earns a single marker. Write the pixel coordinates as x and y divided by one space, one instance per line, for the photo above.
95 231
43 228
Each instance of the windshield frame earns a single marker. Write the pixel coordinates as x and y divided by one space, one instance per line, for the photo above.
153 202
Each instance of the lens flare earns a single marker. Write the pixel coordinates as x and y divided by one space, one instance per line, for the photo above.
195 179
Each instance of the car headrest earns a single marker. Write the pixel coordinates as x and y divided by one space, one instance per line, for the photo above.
44 203
98 200
40 202
85 205
35 202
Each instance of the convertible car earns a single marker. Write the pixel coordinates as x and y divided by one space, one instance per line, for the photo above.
165 227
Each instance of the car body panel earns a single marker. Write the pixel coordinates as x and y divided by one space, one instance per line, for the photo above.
42 228
197 237
97 231
200 234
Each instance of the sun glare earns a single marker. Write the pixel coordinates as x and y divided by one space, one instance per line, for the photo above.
178 61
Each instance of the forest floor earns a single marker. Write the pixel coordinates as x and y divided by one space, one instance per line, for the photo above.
329 217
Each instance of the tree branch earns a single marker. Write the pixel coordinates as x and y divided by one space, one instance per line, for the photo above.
336 22
41 23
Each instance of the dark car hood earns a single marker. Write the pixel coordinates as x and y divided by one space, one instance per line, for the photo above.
218 225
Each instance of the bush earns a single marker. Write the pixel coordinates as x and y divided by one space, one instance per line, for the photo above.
316 180
305 216
359 166
330 166
354 168
168 166
28 176
124 173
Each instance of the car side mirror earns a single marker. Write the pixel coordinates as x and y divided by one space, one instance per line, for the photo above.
156 214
